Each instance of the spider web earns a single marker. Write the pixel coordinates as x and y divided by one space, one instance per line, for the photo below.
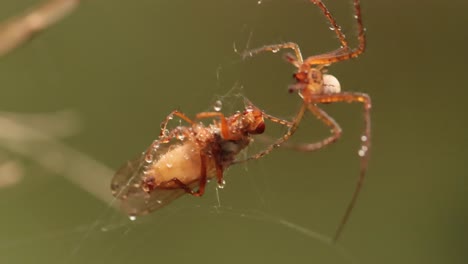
189 229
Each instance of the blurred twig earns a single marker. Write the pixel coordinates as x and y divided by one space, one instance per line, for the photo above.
11 173
18 30
35 136
44 149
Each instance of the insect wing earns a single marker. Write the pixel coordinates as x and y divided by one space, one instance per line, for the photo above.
126 186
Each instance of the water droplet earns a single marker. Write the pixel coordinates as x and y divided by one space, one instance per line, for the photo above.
221 184
149 158
169 165
332 28
363 138
356 16
364 148
170 117
159 201
218 105
259 2
132 218
275 50
361 153
181 136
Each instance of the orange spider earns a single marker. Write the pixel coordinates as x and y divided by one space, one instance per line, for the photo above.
315 87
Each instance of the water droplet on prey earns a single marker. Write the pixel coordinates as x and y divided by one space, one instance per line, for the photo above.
218 105
149 158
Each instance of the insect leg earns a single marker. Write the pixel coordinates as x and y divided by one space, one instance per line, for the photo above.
365 144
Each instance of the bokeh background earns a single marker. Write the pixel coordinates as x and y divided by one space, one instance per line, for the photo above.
90 93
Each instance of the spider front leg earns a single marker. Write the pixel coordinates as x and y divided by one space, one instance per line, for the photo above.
365 144
292 127
275 48
329 121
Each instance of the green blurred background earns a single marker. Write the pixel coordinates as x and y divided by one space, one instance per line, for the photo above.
120 66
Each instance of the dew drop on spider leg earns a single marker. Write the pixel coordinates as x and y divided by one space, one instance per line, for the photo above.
362 152
132 218
363 138
218 105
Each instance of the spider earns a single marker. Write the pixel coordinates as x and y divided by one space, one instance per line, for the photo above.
315 87
185 158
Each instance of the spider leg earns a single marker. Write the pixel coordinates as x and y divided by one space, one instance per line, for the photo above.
329 121
275 48
343 53
278 120
365 144
332 21
292 127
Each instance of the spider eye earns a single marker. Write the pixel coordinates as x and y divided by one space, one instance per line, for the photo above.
300 76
